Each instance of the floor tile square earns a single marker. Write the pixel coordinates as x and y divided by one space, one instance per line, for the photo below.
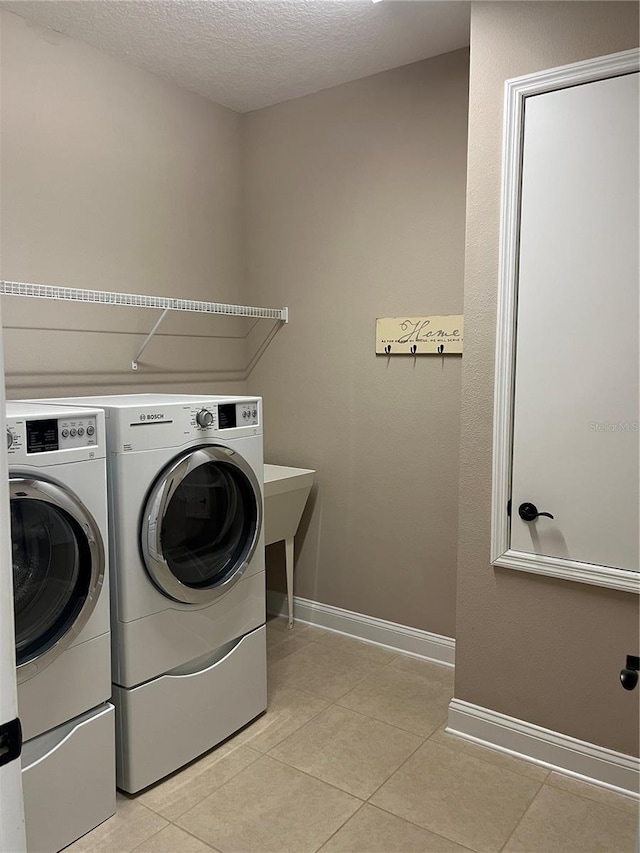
281 646
371 830
348 750
322 671
183 790
403 698
132 824
287 711
270 808
456 795
342 642
565 823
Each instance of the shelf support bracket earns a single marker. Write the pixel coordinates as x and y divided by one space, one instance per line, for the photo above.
134 363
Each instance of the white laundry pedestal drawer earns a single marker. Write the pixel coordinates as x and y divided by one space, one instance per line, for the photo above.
68 778
285 494
177 717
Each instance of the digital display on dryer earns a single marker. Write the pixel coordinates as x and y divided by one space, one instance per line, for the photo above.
227 416
42 435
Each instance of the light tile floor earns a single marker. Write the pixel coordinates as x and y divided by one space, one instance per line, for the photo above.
352 757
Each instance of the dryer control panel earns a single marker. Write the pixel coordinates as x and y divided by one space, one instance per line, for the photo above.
39 434
43 435
233 415
223 416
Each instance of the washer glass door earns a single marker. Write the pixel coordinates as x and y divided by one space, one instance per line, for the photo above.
58 569
201 524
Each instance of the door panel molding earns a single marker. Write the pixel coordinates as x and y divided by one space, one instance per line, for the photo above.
516 92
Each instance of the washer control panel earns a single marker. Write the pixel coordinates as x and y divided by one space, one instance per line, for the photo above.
220 416
234 415
43 435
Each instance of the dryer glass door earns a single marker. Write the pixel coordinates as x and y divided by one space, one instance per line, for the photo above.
201 525
58 569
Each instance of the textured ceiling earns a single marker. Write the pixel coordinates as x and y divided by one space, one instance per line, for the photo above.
248 54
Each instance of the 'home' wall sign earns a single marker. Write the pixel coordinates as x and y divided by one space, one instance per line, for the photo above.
435 335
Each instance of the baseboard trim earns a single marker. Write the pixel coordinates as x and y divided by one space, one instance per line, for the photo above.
586 761
379 632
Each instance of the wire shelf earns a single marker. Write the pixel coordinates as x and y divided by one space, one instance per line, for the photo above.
137 300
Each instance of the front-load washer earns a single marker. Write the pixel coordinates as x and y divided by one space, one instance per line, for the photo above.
58 502
187 548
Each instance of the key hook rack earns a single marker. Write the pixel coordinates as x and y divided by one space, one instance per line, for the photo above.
134 300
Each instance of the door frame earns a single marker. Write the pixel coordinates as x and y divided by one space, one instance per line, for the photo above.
517 91
12 831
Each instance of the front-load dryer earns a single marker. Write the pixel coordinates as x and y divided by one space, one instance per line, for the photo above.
187 547
58 502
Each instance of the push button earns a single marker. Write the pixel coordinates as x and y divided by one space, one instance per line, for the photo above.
80 430
65 433
90 430
72 432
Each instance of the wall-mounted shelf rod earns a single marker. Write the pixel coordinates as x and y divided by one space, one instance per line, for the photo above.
134 300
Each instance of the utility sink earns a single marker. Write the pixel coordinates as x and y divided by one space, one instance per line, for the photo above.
285 494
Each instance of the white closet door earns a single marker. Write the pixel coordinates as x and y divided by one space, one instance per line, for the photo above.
575 440
11 809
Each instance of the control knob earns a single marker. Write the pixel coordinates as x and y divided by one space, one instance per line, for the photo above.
9 439
204 418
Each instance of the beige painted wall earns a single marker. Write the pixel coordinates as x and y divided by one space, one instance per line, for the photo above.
354 210
114 179
538 649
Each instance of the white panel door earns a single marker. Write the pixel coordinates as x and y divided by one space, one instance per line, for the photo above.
575 438
11 808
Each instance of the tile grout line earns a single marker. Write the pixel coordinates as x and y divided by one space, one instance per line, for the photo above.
193 835
327 840
153 834
380 667
313 716
460 748
211 791
423 738
523 815
398 768
375 805
393 651
218 788
584 796
332 701
419 826
315 778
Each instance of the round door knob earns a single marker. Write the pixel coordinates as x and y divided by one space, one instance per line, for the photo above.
629 675
204 418
628 678
529 512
